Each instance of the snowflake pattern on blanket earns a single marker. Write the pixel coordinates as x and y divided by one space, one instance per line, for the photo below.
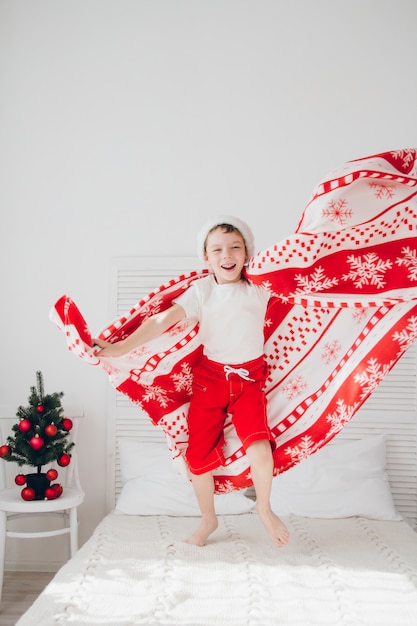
344 310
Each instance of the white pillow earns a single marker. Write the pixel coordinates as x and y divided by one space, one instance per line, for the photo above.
139 458
151 486
343 479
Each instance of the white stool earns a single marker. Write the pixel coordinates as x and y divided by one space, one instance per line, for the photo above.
12 506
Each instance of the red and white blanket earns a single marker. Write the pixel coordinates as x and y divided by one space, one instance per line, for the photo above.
344 311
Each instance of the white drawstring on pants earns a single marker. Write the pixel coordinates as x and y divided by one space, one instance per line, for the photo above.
240 371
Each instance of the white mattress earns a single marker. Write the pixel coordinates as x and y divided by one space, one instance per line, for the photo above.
137 570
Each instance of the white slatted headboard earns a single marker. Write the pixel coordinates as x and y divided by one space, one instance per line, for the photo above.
132 278
392 408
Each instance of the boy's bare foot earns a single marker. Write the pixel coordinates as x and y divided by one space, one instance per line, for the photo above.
200 536
276 529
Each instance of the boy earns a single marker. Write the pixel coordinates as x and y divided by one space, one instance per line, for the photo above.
231 375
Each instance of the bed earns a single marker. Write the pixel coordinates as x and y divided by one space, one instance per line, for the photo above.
352 557
351 509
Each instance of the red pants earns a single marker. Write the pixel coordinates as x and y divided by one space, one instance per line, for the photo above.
217 391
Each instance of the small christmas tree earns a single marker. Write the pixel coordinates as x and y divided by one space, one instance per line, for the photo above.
41 435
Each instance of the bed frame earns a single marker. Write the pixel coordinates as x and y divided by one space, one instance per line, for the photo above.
392 409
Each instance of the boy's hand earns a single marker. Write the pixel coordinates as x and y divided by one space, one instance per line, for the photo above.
107 348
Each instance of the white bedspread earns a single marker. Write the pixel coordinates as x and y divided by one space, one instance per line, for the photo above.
136 570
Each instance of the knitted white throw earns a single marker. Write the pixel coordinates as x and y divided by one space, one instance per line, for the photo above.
136 570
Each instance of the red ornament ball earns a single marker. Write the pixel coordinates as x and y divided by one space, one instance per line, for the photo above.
4 450
52 474
25 425
40 408
36 442
58 489
28 493
64 460
51 430
20 480
67 423
54 491
50 493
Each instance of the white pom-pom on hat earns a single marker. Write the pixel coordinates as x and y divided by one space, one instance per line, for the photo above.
241 226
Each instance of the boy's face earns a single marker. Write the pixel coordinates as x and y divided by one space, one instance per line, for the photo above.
226 254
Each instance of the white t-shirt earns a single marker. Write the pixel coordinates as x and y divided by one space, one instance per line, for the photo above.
231 318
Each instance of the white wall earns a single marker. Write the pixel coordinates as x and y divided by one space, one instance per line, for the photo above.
125 122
